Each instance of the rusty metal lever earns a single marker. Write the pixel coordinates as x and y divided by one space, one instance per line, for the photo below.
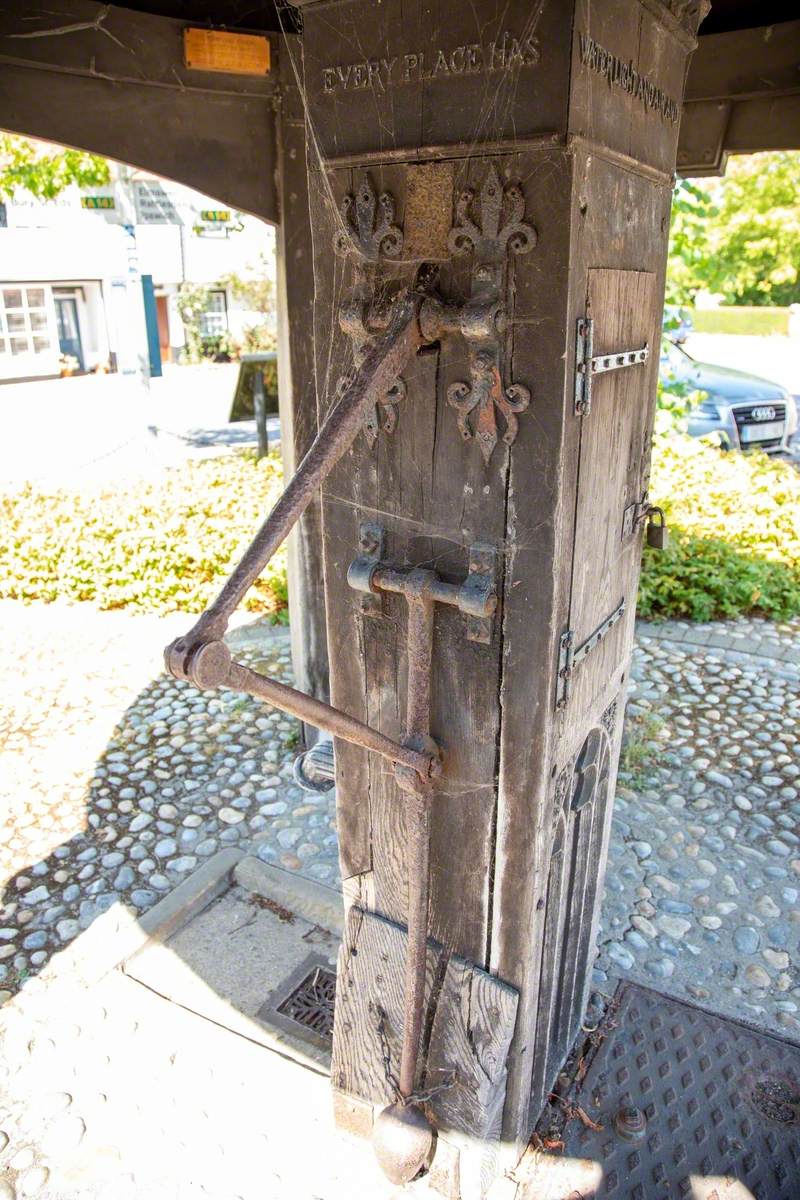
403 1135
200 656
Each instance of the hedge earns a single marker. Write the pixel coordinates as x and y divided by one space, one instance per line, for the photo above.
735 534
149 546
167 545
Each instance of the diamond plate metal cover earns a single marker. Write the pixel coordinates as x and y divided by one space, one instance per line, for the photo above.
722 1104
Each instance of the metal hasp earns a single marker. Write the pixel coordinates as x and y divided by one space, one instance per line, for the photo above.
568 658
403 1136
642 510
587 364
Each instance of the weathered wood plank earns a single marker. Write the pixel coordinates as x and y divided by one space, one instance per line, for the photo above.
469 1014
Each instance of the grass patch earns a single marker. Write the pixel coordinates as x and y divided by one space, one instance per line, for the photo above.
735 534
148 546
640 747
752 321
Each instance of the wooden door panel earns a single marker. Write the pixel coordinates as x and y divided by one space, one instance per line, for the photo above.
614 453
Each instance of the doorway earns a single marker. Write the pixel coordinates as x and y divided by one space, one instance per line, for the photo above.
162 317
69 334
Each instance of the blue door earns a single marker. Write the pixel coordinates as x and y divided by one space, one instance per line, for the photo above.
69 333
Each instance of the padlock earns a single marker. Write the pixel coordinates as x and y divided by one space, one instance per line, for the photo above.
657 534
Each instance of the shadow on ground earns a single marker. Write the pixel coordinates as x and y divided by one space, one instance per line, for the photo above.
183 775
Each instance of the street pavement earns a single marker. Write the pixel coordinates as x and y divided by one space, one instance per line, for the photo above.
106 428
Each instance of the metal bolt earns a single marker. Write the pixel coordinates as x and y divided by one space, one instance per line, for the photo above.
630 1123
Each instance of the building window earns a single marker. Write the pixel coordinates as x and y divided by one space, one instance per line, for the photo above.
24 325
214 320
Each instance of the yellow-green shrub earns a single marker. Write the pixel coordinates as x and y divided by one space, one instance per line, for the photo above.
735 534
151 546
167 545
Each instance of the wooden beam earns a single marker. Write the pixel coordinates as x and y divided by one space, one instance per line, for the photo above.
113 81
297 385
742 95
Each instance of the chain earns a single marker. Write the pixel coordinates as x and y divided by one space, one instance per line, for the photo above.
386 1054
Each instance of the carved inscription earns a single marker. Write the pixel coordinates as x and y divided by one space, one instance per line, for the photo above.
505 53
624 75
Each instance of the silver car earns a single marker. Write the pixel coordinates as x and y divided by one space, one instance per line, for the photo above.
745 410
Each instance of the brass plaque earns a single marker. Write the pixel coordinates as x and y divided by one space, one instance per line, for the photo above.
429 211
233 53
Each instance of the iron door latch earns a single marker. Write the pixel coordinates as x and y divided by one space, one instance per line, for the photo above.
588 364
643 510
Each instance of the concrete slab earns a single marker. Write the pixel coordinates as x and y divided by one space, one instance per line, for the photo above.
157 1081
226 961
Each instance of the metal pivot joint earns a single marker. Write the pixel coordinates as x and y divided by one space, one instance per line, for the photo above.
588 364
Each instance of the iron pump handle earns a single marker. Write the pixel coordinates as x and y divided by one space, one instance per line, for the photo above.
200 656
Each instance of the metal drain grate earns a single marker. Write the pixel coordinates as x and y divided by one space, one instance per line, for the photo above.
303 1004
311 1003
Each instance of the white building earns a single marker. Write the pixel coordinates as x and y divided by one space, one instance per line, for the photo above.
71 272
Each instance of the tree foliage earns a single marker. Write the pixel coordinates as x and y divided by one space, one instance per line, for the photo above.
193 301
45 173
256 290
739 236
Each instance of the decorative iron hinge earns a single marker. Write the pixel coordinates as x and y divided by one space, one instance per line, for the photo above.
587 365
489 225
569 658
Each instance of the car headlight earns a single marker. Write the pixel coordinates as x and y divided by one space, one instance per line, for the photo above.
709 409
792 419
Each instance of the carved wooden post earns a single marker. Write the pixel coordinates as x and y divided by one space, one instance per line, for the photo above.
528 151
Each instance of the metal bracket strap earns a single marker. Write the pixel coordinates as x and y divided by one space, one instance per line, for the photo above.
588 365
568 658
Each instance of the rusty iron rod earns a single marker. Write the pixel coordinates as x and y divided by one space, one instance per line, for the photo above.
382 364
333 720
420 649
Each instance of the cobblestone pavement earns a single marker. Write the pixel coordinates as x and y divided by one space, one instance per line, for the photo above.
117 782
703 879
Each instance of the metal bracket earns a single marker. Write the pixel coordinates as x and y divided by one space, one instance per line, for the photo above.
633 516
476 597
588 365
492 237
371 539
479 583
568 658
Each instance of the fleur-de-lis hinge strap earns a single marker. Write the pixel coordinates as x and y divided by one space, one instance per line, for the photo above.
490 226
368 227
